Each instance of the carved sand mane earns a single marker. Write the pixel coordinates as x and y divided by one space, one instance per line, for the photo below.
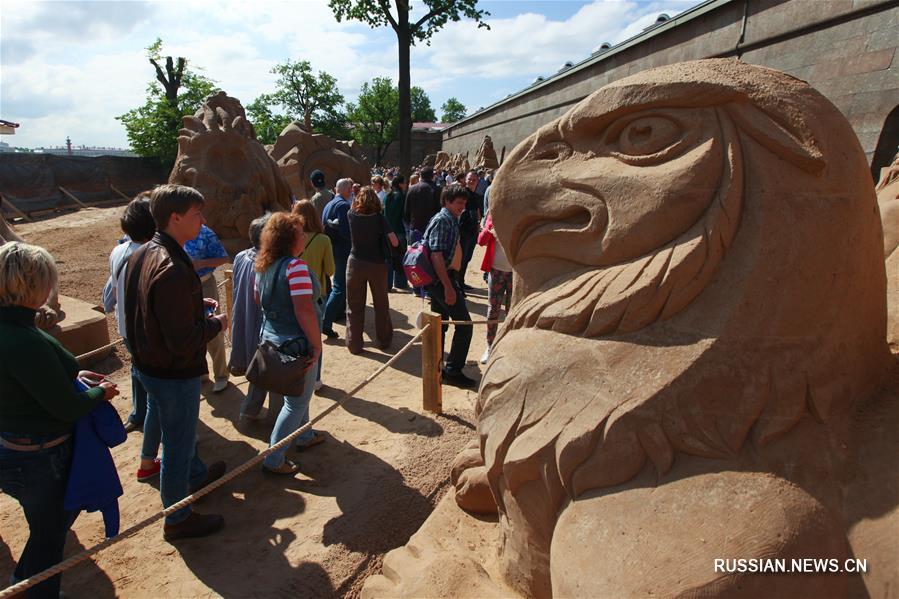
219 155
698 263
298 152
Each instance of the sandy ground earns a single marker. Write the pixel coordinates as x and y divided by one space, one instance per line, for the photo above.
365 491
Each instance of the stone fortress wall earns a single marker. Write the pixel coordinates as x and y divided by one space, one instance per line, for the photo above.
847 49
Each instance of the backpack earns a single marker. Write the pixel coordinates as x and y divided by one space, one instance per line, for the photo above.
417 265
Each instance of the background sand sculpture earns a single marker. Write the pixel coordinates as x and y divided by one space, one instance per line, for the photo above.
298 152
219 155
441 161
698 326
486 155
888 201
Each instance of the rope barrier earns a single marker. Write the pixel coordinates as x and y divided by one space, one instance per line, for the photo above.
228 477
99 350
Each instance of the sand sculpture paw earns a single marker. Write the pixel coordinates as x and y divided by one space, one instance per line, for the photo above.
469 477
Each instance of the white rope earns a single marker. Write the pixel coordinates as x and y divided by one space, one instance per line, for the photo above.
99 350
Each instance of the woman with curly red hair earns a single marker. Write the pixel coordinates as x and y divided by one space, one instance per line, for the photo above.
287 293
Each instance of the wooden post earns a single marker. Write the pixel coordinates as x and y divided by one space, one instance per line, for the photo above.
14 209
116 189
431 350
229 292
71 197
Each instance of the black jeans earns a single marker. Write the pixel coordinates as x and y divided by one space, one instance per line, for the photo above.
468 241
458 311
37 480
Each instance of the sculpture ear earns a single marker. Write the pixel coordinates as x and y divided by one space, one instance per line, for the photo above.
803 153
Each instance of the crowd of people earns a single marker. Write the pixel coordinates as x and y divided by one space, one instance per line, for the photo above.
305 270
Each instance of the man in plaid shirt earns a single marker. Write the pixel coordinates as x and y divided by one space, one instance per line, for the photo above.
447 299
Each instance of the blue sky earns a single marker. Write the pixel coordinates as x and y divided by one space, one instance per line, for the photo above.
70 67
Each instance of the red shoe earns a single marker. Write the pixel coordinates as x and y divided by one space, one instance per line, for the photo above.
145 475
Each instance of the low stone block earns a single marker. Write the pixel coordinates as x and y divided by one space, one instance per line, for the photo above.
83 329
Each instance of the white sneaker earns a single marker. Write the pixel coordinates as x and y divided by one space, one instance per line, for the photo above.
486 355
220 385
318 385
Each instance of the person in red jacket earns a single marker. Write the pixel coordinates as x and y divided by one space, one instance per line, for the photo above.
499 280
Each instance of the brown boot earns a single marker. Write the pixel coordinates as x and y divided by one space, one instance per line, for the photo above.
196 525
214 472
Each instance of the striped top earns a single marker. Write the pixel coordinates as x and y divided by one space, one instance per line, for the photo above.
298 278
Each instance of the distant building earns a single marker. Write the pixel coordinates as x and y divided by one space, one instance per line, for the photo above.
5 147
85 151
8 127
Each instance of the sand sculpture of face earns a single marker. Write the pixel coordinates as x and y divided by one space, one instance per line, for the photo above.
218 154
298 152
698 268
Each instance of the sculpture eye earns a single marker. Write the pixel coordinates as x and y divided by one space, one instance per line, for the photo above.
552 151
648 135
648 139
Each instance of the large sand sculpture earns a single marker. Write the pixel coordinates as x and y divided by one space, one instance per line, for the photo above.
888 201
219 155
486 155
298 152
698 315
456 162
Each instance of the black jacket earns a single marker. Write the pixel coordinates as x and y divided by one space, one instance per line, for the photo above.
422 203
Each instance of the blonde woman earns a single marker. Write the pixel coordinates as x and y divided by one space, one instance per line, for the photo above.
38 410
319 256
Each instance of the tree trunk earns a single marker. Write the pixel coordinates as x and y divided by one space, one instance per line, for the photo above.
307 119
405 126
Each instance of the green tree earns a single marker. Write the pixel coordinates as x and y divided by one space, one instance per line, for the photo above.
314 96
267 124
378 13
375 116
152 128
453 110
422 112
333 124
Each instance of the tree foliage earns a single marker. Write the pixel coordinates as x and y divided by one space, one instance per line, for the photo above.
314 96
422 111
453 110
375 116
268 125
378 13
333 124
178 91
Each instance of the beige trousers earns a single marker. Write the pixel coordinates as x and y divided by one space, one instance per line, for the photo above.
216 347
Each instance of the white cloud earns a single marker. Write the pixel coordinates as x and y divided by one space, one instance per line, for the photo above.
68 68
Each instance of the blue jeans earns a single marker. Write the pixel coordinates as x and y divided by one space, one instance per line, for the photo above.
37 480
138 395
294 413
173 409
336 304
253 402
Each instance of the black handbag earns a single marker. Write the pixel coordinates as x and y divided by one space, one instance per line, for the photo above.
276 368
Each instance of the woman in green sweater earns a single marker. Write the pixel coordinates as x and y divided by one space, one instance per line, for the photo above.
38 409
